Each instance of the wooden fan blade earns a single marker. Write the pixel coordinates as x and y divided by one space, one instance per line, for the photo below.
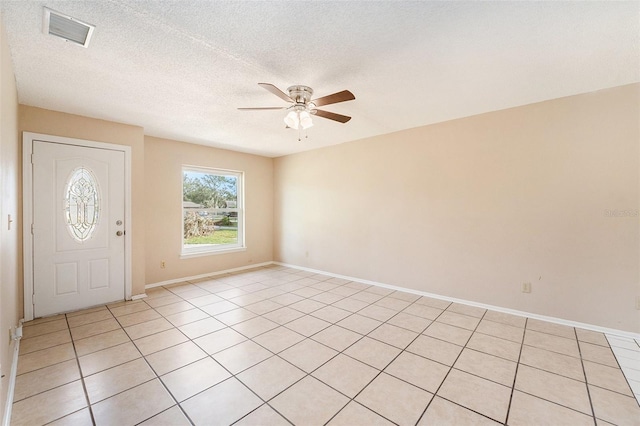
331 115
343 96
260 108
273 89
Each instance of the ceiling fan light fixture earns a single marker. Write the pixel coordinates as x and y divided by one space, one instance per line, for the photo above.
305 120
292 120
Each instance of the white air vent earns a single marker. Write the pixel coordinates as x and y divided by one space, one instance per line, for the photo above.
66 27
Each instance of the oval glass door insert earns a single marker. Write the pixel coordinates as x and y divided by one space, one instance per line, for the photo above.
82 204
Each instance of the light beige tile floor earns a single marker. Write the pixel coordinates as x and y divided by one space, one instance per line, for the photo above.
275 346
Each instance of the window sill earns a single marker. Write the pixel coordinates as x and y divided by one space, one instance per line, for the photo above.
201 253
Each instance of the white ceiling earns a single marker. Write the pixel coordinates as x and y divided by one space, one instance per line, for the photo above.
181 68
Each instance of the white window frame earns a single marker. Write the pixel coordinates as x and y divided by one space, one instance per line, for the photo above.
212 249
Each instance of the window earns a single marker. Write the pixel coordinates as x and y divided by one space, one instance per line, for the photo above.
81 204
212 211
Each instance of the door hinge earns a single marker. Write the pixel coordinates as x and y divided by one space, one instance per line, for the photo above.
33 299
32 229
32 159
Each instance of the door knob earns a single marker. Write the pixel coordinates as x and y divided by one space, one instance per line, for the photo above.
119 233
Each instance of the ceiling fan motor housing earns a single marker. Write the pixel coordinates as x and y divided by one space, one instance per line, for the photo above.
300 94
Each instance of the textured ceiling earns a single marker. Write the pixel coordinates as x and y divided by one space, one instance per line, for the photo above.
181 68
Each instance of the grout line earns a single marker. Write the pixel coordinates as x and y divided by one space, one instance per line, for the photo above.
380 371
374 302
232 375
556 403
84 386
361 405
327 361
157 377
45 349
515 376
257 408
586 384
451 369
65 416
50 389
624 369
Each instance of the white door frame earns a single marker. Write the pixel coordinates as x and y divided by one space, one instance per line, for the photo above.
27 208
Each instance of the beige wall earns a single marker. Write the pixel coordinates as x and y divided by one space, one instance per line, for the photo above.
473 208
165 159
163 176
10 244
74 126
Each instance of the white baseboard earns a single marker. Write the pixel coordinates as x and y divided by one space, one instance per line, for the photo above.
555 320
138 296
210 274
15 338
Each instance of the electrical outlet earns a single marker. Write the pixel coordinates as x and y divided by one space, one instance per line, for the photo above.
526 287
15 333
162 265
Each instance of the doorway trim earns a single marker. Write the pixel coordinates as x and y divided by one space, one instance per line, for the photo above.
27 208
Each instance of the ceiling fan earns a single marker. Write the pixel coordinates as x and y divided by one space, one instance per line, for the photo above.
302 106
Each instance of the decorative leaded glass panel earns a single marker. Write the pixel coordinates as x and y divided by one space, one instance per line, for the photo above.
82 204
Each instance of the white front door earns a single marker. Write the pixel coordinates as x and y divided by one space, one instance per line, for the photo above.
78 227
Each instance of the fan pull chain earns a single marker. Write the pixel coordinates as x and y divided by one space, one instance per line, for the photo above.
306 135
